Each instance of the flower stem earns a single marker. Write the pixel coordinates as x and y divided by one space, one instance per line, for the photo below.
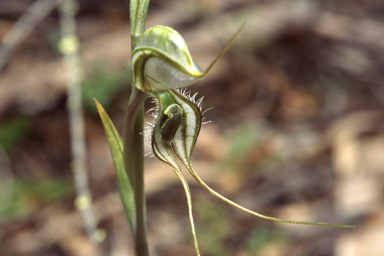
138 15
133 140
134 166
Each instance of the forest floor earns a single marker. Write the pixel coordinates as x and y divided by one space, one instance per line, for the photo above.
296 131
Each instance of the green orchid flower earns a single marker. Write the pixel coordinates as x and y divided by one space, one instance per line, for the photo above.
161 65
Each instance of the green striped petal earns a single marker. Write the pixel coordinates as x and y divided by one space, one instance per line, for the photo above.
168 113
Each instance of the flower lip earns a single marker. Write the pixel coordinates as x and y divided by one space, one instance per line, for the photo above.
174 114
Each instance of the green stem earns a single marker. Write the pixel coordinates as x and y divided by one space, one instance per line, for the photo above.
133 140
134 165
138 15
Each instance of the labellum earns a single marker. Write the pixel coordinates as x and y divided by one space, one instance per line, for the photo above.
172 123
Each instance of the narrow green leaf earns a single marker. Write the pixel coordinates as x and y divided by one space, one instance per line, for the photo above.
116 146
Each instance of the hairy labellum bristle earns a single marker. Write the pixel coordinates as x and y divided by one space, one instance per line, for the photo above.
187 94
153 109
198 102
206 110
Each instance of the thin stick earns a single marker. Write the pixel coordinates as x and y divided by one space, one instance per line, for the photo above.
35 13
69 46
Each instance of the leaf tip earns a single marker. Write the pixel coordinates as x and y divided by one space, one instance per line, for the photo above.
100 108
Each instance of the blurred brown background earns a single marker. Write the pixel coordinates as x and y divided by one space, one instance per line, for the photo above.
297 130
